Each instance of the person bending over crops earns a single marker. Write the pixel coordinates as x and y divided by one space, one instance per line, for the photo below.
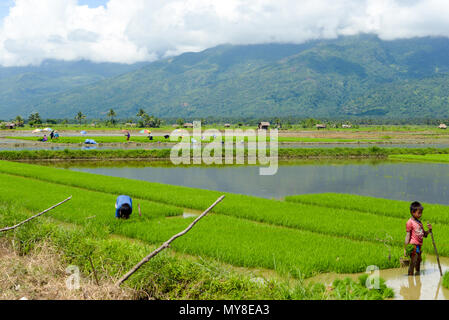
123 207
414 237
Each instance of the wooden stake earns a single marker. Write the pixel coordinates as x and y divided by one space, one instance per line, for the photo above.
436 253
166 244
35 216
95 272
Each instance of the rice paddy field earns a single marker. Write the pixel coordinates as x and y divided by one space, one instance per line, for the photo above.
302 236
296 238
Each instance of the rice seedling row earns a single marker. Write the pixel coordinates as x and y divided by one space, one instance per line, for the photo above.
442 158
386 207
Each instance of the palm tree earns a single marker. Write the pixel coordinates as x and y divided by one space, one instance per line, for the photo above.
141 113
19 121
111 114
80 117
34 119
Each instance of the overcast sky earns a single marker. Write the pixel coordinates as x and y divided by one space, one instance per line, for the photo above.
144 30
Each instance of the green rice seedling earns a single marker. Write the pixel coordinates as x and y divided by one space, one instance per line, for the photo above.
349 290
446 280
386 207
441 158
84 207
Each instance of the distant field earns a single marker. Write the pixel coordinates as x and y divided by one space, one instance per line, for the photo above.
145 139
443 158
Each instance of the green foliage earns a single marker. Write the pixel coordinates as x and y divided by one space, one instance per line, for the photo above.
446 280
347 289
80 117
34 119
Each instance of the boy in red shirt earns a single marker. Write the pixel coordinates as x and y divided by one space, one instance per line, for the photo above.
414 236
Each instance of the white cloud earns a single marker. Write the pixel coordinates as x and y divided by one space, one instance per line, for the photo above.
144 30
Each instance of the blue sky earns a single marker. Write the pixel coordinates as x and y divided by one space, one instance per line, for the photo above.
6 4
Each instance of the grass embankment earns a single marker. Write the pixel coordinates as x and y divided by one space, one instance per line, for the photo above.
168 276
164 154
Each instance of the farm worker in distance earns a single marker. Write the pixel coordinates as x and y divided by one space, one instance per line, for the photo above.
123 207
44 139
414 237
127 135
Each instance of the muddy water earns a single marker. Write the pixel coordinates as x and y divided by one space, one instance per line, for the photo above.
426 286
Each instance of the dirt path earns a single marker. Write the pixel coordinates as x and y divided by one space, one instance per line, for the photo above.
41 275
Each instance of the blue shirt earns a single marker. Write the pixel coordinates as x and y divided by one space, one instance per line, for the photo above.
121 200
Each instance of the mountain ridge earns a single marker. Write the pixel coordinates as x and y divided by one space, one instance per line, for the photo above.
354 76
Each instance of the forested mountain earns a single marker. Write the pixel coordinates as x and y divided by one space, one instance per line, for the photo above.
356 76
22 87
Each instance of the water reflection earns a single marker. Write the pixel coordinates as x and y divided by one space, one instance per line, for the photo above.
428 182
413 290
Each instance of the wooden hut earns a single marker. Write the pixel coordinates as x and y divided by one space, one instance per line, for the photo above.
442 126
8 125
264 125
346 126
188 125
227 125
321 126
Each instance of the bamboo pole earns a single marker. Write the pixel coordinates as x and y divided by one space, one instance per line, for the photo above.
166 244
436 253
95 271
35 216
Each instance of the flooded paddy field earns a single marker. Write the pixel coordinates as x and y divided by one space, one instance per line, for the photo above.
428 182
